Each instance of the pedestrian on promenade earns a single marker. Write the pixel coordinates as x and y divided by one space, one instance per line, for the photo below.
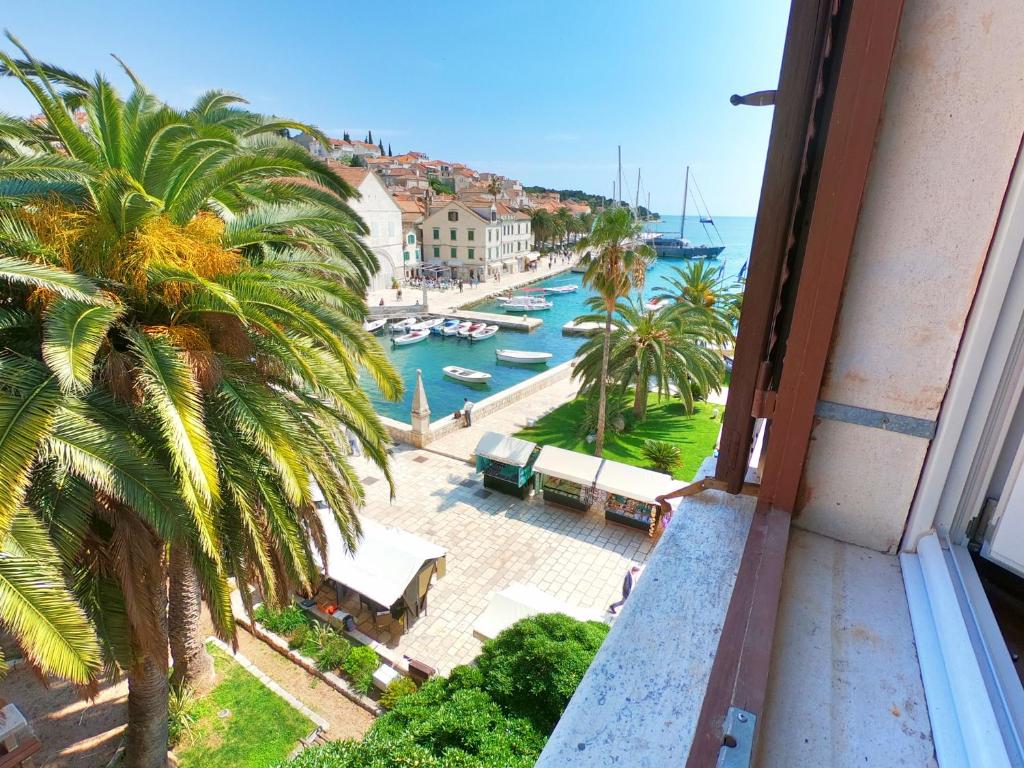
627 587
381 302
460 286
467 412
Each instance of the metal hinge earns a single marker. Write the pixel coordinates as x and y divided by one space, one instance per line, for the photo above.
737 739
755 99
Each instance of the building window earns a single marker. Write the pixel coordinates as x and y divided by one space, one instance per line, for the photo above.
410 239
472 253
454 254
453 215
417 253
472 235
437 233
453 234
405 255
437 252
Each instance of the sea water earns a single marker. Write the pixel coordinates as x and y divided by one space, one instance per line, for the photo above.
446 396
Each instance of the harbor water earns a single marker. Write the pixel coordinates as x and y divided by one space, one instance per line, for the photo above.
446 395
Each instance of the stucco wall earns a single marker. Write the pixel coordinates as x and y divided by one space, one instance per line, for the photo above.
383 217
949 134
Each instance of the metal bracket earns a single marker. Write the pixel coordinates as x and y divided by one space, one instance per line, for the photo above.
755 99
737 739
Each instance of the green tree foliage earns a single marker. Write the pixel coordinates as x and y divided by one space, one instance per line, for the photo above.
662 456
533 667
397 690
442 186
361 663
493 715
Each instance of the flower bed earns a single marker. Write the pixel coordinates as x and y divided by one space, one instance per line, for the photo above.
320 650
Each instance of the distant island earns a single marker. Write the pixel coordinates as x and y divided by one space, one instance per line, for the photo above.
595 202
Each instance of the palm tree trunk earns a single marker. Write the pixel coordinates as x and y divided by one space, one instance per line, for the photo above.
603 387
193 666
640 395
146 734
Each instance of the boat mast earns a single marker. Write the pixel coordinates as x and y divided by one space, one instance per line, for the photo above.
637 204
617 200
686 189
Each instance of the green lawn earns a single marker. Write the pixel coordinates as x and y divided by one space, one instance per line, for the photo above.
260 731
695 434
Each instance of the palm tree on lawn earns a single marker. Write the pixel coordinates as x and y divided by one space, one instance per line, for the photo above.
180 347
701 284
668 347
614 258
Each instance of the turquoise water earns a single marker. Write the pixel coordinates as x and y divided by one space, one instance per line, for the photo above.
446 396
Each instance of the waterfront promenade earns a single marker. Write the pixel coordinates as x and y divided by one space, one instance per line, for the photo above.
445 301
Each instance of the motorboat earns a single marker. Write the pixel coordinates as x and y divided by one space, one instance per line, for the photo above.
411 337
447 328
558 289
522 356
467 375
372 326
486 333
403 326
659 303
470 329
525 304
426 325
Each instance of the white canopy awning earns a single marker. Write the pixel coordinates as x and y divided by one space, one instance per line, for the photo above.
507 450
520 601
386 559
567 465
635 482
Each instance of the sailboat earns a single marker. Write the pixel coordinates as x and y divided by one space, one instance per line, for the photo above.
680 247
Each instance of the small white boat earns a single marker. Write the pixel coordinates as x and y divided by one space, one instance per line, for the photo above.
521 356
655 304
486 333
526 304
466 374
562 289
471 329
403 326
409 338
373 326
426 325
450 327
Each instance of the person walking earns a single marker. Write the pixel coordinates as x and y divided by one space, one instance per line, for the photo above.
627 587
467 412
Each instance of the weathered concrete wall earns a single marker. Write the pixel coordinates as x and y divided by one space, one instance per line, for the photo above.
949 135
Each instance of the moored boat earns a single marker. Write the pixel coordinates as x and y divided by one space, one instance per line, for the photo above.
522 356
403 326
426 325
372 326
485 333
470 328
448 328
525 304
467 375
409 338
556 289
681 248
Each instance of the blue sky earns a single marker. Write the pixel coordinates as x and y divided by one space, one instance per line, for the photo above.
541 91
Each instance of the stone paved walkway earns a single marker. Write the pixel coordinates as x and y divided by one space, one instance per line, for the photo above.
509 420
444 301
493 541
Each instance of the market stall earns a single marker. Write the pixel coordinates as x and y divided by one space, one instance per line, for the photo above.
568 477
630 494
520 601
506 462
391 570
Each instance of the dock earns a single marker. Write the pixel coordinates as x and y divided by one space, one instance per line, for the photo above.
509 322
572 328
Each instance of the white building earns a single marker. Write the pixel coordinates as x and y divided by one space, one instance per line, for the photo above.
477 241
383 219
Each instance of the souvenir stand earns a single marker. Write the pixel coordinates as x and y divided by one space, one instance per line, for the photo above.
568 477
506 462
630 494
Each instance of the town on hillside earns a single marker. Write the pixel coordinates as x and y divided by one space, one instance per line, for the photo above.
436 217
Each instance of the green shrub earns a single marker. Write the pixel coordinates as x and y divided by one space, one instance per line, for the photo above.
297 638
360 665
533 667
662 456
182 715
397 690
332 651
281 622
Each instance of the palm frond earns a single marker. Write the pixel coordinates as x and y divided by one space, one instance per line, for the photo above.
73 332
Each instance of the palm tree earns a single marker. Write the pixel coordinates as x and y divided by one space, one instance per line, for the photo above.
565 223
494 188
542 224
180 351
669 347
701 284
614 257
